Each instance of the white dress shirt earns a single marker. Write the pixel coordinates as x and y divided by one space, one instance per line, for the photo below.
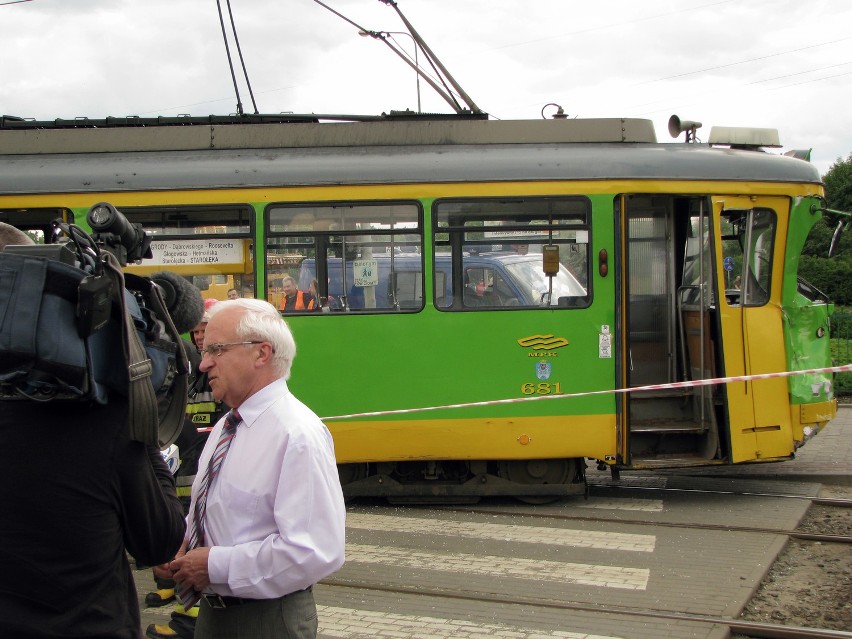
275 513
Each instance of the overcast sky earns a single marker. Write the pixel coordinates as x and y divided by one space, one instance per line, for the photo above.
784 64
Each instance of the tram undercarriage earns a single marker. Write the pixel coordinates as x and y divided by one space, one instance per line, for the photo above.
534 481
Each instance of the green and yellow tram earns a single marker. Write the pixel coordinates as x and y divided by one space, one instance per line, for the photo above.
517 279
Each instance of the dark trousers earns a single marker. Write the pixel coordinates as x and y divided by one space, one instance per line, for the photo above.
293 616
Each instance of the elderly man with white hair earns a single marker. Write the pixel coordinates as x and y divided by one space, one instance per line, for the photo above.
267 517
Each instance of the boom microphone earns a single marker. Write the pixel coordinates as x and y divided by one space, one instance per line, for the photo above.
182 299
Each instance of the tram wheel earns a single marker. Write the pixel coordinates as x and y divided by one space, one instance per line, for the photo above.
538 471
347 473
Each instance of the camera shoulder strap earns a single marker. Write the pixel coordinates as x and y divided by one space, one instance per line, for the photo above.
142 414
173 413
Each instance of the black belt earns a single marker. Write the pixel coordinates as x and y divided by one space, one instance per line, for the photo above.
218 601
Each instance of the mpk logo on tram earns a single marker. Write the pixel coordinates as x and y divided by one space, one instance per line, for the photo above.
542 345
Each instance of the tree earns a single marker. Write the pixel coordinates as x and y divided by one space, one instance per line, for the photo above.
832 275
838 185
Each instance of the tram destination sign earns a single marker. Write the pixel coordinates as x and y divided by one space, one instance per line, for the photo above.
212 252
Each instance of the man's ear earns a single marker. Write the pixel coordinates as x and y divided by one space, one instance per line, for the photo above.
265 353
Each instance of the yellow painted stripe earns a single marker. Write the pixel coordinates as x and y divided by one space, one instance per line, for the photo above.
414 191
492 438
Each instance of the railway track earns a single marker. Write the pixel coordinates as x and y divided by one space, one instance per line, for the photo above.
792 534
421 571
522 514
741 628
823 501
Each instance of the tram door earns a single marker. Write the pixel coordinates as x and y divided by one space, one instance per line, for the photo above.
667 307
750 238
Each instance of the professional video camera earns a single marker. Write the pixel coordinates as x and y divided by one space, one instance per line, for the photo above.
74 327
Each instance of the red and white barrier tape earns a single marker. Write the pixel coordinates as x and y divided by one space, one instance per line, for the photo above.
845 368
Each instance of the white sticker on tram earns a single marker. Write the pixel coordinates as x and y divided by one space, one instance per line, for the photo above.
347 623
528 534
514 567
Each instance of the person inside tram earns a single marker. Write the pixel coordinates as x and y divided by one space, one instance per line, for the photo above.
295 299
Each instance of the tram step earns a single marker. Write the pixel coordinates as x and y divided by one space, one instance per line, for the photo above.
671 461
665 425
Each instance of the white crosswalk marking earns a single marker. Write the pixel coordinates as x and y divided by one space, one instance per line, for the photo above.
502 532
515 567
346 623
616 503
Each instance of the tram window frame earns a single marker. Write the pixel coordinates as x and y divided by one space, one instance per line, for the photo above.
145 214
325 229
37 222
238 220
755 287
459 231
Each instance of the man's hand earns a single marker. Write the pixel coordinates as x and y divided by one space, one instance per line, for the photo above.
162 571
191 569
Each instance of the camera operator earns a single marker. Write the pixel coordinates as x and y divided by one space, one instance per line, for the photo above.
76 492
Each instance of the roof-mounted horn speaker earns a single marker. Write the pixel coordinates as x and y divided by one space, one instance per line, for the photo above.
678 126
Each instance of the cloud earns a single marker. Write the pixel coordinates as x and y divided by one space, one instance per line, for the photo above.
769 63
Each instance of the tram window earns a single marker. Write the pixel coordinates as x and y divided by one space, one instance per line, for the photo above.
489 256
405 288
748 239
38 223
210 245
697 282
191 221
486 287
364 257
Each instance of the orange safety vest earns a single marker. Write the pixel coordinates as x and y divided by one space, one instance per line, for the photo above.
300 303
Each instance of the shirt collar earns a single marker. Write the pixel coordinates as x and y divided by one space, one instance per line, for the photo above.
258 403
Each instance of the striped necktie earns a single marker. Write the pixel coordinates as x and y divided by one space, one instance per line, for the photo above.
187 596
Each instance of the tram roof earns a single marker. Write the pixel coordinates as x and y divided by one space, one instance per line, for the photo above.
38 160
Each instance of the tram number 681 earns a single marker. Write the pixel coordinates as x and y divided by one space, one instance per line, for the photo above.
542 388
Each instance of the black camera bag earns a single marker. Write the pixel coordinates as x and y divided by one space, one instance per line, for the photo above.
46 356
37 353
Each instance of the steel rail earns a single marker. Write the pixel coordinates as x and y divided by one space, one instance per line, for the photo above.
750 628
794 534
823 501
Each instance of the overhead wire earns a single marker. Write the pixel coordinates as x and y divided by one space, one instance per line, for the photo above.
444 72
230 60
795 84
790 75
671 108
610 25
437 77
446 92
240 52
442 75
733 64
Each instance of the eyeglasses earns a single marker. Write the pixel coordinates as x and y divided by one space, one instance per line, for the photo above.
216 350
